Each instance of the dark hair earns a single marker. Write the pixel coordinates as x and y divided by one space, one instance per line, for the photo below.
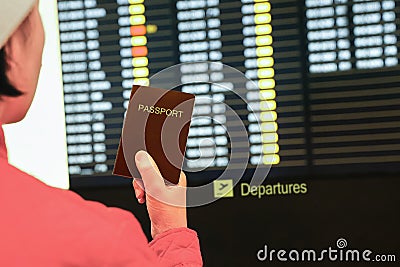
5 87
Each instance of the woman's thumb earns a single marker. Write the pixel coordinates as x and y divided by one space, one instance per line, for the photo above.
152 179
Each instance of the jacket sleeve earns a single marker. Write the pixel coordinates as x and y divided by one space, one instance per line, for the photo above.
176 247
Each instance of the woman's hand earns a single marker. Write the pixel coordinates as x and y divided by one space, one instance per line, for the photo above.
166 205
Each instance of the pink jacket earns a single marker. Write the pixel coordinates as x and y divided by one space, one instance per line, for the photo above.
44 226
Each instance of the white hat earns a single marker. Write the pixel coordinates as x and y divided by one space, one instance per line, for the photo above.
12 13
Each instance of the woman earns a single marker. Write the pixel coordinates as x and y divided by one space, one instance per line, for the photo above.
45 226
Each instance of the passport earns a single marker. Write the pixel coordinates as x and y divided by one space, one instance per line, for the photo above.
157 121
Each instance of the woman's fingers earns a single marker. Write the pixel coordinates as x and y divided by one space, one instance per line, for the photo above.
182 179
139 190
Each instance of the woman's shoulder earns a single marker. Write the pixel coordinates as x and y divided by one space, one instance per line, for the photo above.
19 189
56 227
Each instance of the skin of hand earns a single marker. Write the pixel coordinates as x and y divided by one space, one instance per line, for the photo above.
166 204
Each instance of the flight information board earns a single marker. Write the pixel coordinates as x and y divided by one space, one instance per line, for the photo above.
326 79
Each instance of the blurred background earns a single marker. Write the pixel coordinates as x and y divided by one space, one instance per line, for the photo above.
323 109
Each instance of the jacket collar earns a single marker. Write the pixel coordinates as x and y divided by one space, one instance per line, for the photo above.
3 148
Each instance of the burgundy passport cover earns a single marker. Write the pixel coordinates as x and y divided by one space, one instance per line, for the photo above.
159 122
